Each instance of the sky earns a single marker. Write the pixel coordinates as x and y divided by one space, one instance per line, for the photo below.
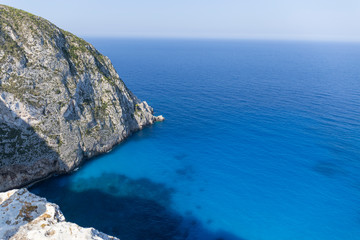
330 20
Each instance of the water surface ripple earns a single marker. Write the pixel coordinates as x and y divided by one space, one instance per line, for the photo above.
261 142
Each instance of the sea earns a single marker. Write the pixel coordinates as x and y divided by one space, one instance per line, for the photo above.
261 142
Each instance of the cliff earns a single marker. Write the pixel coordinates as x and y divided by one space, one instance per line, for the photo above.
61 101
24 215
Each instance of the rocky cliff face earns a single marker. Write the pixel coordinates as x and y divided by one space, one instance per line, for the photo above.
25 216
61 101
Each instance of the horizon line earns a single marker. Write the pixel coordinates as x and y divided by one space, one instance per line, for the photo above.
328 40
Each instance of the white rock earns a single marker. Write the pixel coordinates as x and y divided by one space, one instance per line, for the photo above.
26 216
159 118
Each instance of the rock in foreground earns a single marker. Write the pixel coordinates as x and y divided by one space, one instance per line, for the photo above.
26 216
61 101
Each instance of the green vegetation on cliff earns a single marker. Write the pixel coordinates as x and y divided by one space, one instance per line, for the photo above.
57 90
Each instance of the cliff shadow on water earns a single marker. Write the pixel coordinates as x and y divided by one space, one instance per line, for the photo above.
24 156
130 209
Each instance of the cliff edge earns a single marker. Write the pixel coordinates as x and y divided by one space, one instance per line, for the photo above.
61 101
24 215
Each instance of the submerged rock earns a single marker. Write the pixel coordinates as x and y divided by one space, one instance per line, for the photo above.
61 101
24 215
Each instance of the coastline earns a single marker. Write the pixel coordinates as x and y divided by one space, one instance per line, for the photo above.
83 161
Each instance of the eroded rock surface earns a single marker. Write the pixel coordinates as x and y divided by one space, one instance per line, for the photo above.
26 216
61 101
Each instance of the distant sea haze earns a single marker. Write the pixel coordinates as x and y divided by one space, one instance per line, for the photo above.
261 142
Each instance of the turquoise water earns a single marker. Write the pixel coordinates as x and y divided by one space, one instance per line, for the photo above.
261 142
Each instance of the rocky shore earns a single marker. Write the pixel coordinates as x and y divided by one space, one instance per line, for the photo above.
24 215
61 102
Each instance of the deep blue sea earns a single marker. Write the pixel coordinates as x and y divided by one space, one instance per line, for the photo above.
261 142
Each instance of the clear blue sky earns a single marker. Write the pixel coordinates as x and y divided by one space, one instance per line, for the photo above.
260 19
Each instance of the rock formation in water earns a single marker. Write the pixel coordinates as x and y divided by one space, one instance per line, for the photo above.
61 101
24 215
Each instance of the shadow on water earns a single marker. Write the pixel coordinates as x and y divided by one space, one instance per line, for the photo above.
186 172
127 208
180 156
328 169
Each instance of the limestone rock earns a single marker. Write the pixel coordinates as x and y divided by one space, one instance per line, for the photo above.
61 101
26 216
159 118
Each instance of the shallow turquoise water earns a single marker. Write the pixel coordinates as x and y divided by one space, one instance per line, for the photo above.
261 141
